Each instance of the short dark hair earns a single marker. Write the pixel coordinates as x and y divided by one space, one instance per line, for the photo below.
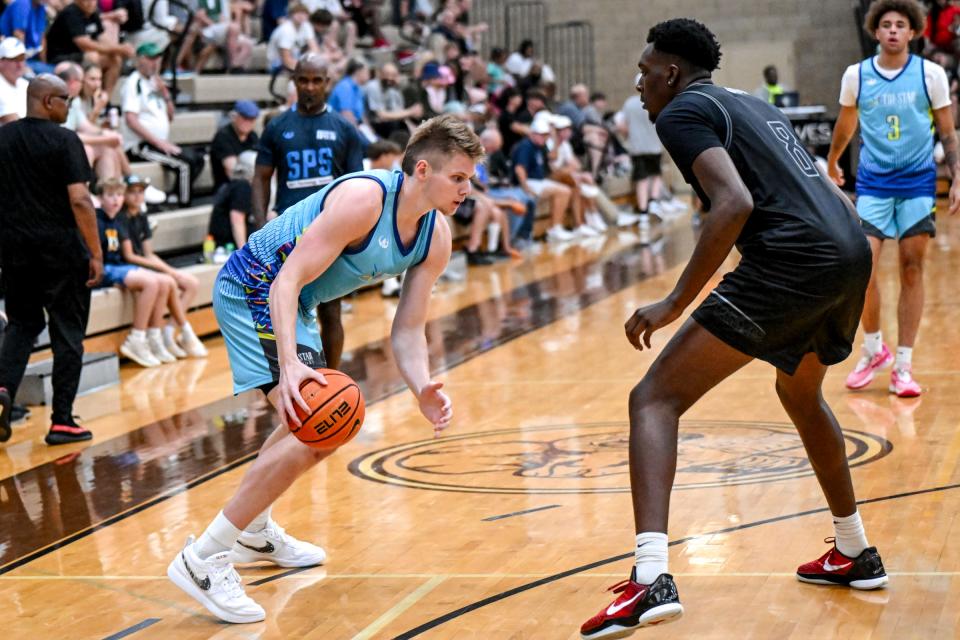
444 135
598 95
912 9
321 16
689 40
382 148
536 94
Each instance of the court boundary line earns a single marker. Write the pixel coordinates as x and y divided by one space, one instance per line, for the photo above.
452 615
520 513
149 622
396 610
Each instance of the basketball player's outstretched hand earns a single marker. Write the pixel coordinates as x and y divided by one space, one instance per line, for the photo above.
436 406
291 377
646 320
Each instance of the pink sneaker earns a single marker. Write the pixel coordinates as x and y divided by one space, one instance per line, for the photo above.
867 368
903 384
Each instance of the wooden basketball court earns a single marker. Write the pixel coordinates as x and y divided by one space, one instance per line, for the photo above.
514 523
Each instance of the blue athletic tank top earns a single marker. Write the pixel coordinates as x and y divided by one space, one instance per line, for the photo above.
896 127
381 255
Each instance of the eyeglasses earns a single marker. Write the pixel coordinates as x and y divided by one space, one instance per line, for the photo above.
65 97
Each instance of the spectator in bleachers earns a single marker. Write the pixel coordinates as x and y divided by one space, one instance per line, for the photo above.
496 177
510 102
13 88
271 13
147 113
534 102
565 168
347 95
104 147
290 40
430 93
498 76
77 34
26 20
337 27
385 104
479 212
589 135
144 343
325 31
308 148
530 167
51 253
232 220
386 155
365 14
136 246
215 25
527 70
232 139
142 27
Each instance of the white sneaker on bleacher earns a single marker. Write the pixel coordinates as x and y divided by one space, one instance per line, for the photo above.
155 342
139 351
152 195
559 234
214 583
191 343
596 221
586 231
627 219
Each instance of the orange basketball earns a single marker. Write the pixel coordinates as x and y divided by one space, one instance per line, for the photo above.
336 411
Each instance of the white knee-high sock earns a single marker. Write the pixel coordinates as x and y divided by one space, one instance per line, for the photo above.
219 536
851 539
650 556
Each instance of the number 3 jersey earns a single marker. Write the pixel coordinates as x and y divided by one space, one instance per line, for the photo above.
896 127
308 153
798 221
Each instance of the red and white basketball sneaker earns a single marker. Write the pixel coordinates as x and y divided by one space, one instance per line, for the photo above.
638 605
863 572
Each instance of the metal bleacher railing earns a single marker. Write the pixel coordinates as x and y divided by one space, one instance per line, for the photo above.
568 47
172 51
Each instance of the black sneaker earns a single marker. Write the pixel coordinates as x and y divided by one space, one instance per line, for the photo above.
638 605
5 405
67 433
476 258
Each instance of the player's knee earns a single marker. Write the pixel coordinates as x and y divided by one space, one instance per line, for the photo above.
911 268
644 396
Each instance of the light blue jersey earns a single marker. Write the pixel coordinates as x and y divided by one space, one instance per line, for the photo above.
896 126
241 294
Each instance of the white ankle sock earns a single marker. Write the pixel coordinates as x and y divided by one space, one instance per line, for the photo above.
851 539
154 333
904 357
650 556
168 331
258 523
138 334
873 342
219 536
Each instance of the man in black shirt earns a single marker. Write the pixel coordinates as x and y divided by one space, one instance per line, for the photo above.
76 31
231 221
794 301
232 139
51 251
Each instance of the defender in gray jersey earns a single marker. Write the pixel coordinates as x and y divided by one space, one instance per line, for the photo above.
323 247
794 301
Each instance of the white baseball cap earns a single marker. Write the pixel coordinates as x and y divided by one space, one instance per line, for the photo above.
11 48
562 121
541 126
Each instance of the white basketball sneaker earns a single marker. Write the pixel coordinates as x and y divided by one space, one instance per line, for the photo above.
273 544
215 584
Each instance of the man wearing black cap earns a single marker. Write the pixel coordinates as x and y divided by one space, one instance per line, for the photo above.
147 113
232 139
51 251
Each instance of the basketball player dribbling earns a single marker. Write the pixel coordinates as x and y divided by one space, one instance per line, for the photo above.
358 230
896 98
794 301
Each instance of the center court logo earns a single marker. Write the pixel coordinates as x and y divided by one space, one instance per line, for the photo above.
593 458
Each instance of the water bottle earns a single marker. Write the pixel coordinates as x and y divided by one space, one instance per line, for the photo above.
114 118
209 246
231 248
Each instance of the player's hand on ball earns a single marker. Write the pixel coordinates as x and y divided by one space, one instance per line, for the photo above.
646 320
291 377
436 406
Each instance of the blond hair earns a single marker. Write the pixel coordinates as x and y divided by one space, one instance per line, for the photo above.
111 185
441 136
